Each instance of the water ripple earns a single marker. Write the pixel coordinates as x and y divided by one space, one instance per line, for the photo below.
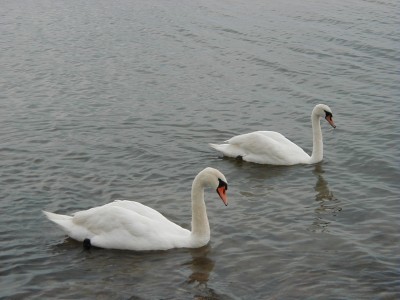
103 102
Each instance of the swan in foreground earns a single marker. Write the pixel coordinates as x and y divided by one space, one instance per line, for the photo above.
270 147
130 225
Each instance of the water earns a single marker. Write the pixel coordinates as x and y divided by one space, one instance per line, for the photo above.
113 100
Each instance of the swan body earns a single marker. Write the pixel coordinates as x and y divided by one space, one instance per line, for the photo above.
269 147
131 225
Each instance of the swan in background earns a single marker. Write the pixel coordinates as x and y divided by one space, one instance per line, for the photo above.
130 225
270 147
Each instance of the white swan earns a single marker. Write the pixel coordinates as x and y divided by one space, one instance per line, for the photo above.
130 225
269 147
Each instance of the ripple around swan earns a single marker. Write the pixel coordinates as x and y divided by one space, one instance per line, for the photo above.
98 105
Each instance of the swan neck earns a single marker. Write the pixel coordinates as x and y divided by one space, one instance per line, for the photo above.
200 225
317 152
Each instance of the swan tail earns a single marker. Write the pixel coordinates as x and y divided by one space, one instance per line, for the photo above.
61 220
228 150
215 146
219 147
67 224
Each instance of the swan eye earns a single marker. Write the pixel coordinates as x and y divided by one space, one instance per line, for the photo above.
222 184
327 114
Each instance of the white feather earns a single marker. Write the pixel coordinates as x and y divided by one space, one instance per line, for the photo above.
269 147
131 225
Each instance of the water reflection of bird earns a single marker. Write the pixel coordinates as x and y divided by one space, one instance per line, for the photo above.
321 186
328 204
200 265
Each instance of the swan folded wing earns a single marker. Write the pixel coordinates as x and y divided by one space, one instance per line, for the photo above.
267 147
118 226
276 136
67 225
137 208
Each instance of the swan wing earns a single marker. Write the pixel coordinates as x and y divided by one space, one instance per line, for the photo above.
264 147
123 225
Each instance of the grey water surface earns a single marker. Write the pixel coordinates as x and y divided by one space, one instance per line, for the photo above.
103 100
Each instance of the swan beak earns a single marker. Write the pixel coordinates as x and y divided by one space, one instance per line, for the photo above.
221 190
330 120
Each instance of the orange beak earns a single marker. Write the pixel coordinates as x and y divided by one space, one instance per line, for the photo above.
330 120
221 190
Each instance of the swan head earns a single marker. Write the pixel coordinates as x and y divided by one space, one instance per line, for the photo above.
324 111
215 179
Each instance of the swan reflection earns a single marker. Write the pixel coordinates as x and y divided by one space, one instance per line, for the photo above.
201 266
328 204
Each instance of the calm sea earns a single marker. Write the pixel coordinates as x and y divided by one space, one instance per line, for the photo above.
103 100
